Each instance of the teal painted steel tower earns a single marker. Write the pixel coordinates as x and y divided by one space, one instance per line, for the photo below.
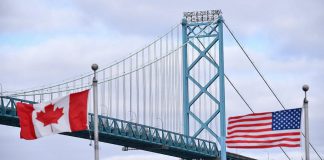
199 25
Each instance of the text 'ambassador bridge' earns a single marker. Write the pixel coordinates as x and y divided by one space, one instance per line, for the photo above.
167 98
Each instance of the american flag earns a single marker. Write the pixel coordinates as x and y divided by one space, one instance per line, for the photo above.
265 130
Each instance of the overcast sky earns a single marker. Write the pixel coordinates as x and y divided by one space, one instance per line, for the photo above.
41 42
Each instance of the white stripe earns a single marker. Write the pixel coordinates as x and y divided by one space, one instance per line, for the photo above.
252 122
263 144
263 139
251 117
263 133
249 128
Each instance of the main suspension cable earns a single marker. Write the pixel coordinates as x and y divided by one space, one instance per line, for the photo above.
254 66
250 107
264 80
238 93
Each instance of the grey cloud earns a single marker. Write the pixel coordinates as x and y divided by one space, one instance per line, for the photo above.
37 16
292 57
44 63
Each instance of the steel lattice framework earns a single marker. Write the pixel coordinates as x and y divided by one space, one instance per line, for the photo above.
200 30
125 133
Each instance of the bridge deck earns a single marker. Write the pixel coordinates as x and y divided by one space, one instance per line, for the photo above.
132 135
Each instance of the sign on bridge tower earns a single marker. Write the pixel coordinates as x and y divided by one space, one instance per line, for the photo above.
195 27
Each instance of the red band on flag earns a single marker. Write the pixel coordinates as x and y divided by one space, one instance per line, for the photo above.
249 125
254 114
24 112
78 111
249 120
265 146
264 141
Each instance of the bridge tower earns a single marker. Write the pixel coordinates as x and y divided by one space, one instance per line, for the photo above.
200 25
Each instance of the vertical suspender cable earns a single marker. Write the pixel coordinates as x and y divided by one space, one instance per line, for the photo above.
110 92
59 91
171 89
130 88
176 88
66 89
178 113
124 92
117 90
74 88
150 88
162 106
170 98
144 88
91 99
167 85
50 95
180 84
41 96
165 90
103 96
137 90
167 82
156 89
173 83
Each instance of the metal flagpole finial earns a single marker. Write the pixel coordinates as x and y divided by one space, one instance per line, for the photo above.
94 67
305 89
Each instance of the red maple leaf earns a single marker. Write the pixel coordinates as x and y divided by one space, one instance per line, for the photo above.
49 116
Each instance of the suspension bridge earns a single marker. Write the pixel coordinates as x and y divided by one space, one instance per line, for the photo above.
167 98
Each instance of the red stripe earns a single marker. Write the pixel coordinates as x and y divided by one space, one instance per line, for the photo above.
250 119
265 146
250 130
254 114
249 125
78 111
24 112
266 135
263 141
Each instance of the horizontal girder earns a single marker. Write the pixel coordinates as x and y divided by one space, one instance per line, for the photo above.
129 134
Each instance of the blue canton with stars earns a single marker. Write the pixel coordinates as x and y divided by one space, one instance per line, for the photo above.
286 119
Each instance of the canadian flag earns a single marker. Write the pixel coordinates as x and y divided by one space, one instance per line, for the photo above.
65 114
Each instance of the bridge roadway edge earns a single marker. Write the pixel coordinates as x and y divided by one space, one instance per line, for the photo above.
132 143
113 139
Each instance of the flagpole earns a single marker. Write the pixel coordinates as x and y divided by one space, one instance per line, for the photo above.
305 106
95 111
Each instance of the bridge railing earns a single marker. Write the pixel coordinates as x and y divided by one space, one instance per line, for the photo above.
8 105
107 125
166 139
